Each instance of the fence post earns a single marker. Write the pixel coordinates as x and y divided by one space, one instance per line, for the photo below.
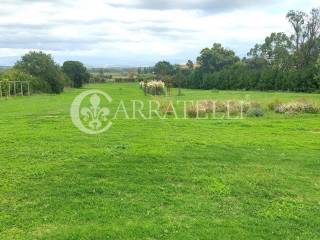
0 90
28 88
21 88
14 88
9 92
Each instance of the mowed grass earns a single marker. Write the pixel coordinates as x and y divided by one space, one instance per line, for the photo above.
256 178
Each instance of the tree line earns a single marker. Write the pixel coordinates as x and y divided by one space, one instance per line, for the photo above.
45 75
281 62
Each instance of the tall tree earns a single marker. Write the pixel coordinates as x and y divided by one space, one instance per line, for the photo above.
317 71
311 47
297 20
76 72
275 50
42 65
190 65
163 68
216 58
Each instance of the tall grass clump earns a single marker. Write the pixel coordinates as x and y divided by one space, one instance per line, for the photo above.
196 110
153 87
296 107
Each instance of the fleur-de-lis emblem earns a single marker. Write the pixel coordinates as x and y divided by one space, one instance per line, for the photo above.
92 119
94 114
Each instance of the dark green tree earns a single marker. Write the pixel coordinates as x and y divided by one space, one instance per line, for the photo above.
190 65
42 66
163 68
216 58
76 72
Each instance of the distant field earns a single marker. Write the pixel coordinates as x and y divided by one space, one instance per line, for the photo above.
256 178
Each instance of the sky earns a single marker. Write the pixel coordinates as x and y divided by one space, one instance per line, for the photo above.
137 32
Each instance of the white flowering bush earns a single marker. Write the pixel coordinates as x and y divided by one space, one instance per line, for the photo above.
297 107
153 87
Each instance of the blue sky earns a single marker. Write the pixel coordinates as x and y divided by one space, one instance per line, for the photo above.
137 32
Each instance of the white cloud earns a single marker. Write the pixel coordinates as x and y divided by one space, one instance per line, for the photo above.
99 33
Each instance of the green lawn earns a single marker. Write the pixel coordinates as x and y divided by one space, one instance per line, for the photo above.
256 178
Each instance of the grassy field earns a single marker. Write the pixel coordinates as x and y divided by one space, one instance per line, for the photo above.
256 178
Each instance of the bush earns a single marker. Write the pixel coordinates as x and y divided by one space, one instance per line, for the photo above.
76 72
233 107
255 112
36 85
274 105
166 108
153 87
195 111
43 67
4 86
300 106
208 106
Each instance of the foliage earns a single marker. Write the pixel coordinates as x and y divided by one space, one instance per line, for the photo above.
272 106
317 72
216 58
281 62
153 87
196 111
42 66
76 72
13 74
301 106
166 107
163 68
255 112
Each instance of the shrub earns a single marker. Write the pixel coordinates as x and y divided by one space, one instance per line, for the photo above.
207 105
220 106
42 66
4 86
234 107
166 108
153 87
254 105
300 106
194 111
36 85
255 112
274 105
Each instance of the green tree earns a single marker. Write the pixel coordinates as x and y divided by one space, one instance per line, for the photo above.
275 50
163 68
179 78
216 58
297 20
42 66
306 34
317 72
190 65
76 72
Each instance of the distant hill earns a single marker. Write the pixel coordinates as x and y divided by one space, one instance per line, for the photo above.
3 68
